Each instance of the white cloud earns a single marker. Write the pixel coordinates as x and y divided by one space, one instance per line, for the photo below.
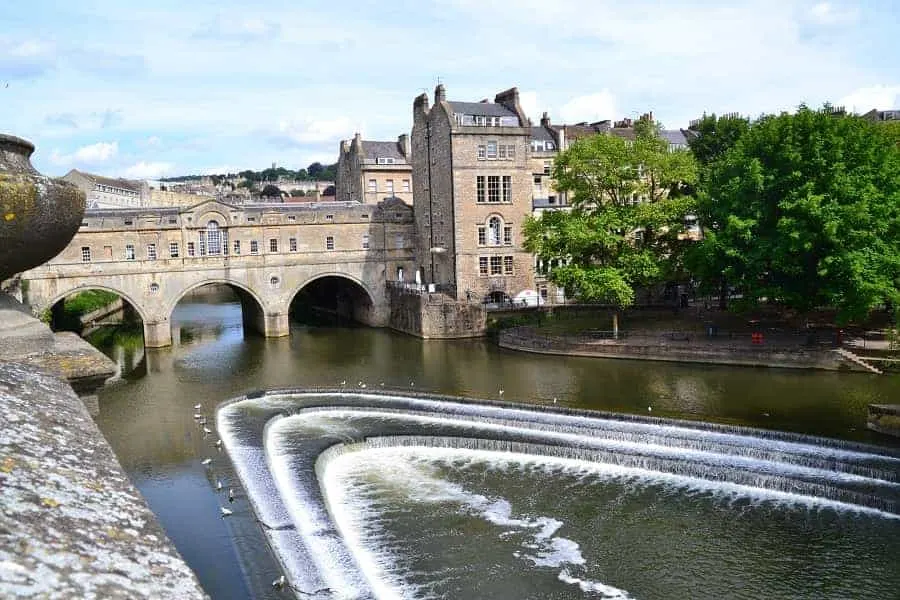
531 106
148 170
592 107
826 13
310 131
87 155
865 99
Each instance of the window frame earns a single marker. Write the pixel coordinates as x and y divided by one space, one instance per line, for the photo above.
151 251
86 254
129 252
174 250
329 243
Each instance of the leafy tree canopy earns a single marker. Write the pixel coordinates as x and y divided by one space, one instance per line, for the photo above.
628 218
804 210
271 191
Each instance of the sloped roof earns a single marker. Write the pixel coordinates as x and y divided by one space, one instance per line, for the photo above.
674 136
126 184
542 134
486 109
382 150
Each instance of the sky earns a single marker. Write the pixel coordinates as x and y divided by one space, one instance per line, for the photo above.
141 89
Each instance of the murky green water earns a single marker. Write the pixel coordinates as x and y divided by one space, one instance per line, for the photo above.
147 413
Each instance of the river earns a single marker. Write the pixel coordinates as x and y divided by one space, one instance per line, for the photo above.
146 412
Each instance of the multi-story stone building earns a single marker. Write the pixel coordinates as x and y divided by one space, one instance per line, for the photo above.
105 192
881 116
472 185
370 171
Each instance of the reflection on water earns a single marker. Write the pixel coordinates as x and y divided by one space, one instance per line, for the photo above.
147 412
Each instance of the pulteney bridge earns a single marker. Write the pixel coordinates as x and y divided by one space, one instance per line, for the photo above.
341 253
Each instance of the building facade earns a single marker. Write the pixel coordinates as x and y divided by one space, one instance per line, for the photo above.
370 171
472 186
105 192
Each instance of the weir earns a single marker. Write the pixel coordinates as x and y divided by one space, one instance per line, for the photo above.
284 444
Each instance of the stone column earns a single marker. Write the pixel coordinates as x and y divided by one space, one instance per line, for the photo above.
277 324
157 334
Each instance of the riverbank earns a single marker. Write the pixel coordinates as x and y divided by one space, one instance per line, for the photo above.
679 347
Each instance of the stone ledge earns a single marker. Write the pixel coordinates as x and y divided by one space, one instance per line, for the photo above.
71 524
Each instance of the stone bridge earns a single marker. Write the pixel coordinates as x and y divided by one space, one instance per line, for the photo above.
341 253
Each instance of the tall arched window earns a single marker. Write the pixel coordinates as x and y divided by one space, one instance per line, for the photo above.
495 231
213 238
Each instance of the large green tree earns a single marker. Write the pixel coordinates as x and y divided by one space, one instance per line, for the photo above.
627 221
804 211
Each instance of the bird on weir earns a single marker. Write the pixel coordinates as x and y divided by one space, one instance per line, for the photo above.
206 462
278 584
226 512
197 406
231 494
218 485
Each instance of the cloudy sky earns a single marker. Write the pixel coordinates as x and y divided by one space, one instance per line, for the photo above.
167 87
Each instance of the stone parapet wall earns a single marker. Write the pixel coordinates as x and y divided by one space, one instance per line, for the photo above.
527 339
435 315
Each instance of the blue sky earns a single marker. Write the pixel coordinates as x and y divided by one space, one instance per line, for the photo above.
168 87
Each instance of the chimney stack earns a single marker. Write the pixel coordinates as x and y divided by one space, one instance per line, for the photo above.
545 120
440 93
403 142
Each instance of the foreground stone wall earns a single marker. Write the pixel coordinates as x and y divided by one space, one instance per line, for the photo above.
72 526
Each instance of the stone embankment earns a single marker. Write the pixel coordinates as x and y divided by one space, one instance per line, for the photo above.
660 348
71 523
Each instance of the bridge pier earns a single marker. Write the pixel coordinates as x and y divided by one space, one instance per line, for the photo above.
157 334
277 325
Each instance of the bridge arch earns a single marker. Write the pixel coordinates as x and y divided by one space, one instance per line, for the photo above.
337 293
253 308
86 287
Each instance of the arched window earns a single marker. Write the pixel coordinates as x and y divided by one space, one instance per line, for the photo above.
495 231
213 238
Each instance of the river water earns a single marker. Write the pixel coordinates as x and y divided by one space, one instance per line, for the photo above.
632 548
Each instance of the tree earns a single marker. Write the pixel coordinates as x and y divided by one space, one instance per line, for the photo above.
271 191
628 218
314 170
804 211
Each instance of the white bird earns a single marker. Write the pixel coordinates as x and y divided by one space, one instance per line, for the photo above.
206 462
218 443
554 400
197 406
218 485
226 511
207 430
649 409
198 416
765 414
381 384
279 583
501 391
231 494
343 383
363 386
412 384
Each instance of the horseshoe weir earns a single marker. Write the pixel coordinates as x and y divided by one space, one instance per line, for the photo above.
395 495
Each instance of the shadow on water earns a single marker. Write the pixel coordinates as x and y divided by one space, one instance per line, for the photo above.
147 412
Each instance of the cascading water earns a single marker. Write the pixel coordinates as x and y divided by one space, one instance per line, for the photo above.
386 496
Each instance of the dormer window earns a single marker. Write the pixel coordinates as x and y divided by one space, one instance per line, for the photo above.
385 160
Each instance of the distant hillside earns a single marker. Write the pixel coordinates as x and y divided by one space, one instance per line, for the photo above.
314 172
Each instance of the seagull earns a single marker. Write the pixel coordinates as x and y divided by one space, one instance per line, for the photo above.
363 386
218 485
765 414
218 443
197 416
231 494
207 430
501 391
412 384
226 512
554 400
278 584
206 462
381 384
343 383
649 409
197 406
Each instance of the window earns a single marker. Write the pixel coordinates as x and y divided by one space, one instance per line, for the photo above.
254 247
292 217
399 240
191 250
329 242
501 152
389 184
496 265
482 235
273 245
202 242
173 249
151 251
494 227
129 252
507 188
507 265
493 188
479 189
385 161
213 239
507 235
237 246
511 152
365 241
549 145
406 185
373 187
482 152
483 266
329 217
551 200
85 254
292 244
492 150
251 219
547 165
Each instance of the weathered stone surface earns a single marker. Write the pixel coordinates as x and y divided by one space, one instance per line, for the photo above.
38 215
71 524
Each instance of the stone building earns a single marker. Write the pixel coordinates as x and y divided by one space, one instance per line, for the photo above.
370 171
105 192
881 116
472 185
